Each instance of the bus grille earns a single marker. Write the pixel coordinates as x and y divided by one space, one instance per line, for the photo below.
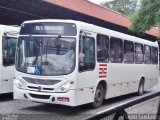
36 88
40 81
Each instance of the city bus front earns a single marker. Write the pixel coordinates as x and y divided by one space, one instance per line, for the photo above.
46 63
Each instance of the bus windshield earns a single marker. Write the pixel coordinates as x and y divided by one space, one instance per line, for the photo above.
46 56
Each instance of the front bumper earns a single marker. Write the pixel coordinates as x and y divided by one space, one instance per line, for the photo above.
45 97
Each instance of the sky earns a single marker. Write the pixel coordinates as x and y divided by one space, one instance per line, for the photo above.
98 1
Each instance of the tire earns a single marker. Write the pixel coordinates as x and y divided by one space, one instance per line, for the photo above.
99 96
141 87
122 115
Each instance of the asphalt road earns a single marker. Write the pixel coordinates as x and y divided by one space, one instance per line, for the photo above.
26 110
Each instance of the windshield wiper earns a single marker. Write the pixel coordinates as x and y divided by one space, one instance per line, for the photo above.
58 46
37 47
34 42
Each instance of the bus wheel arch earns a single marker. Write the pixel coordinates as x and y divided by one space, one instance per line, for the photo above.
141 85
100 93
104 84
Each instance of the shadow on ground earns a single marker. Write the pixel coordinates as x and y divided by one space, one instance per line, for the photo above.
6 97
83 109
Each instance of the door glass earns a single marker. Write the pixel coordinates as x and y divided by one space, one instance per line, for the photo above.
87 54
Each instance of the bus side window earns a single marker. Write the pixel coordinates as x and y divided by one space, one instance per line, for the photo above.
147 54
88 55
154 54
138 53
9 51
128 52
102 48
116 50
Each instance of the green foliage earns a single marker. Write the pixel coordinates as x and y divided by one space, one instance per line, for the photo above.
126 7
147 16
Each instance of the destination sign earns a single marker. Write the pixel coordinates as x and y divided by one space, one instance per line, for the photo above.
51 28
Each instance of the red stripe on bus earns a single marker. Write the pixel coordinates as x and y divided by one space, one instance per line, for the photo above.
102 72
102 76
102 64
102 68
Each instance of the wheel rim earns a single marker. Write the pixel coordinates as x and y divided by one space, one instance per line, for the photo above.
98 96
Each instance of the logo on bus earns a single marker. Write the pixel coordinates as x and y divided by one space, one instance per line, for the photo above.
39 88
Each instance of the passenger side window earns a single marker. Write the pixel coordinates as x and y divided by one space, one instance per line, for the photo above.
147 54
138 53
87 53
116 48
128 52
102 48
154 54
9 50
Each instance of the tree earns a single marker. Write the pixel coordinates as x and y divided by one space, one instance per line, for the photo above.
126 7
147 16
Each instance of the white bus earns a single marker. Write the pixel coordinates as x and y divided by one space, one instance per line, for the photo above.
72 63
8 40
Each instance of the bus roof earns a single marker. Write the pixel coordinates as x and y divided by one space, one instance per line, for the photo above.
91 27
50 20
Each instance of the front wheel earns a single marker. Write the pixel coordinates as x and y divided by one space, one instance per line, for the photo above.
99 96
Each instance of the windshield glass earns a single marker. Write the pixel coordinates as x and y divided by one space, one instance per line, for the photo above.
46 55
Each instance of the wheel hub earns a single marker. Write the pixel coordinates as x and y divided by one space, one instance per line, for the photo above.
98 96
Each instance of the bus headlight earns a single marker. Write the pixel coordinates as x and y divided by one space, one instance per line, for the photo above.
65 87
19 83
